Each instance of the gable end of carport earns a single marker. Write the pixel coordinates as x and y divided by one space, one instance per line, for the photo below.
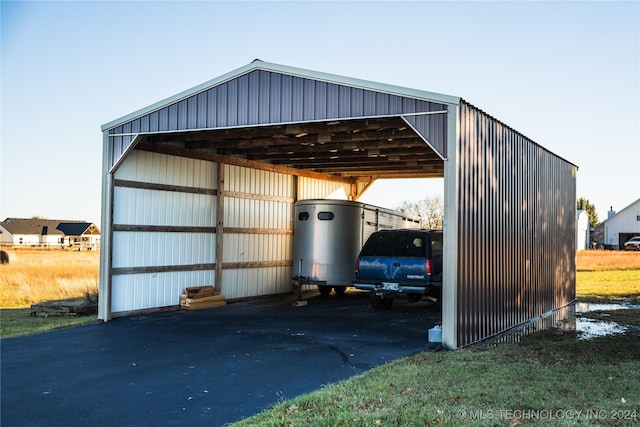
269 94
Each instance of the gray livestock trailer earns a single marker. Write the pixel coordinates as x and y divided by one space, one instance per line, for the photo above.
328 235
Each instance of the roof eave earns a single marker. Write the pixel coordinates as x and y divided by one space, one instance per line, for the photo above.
623 209
182 95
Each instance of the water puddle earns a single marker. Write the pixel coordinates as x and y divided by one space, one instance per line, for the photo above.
585 307
588 328
585 320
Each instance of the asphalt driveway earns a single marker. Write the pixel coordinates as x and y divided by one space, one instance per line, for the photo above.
206 368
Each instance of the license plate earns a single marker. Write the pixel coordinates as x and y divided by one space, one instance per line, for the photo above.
389 286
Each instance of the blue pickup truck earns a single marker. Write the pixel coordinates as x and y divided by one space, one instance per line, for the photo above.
400 263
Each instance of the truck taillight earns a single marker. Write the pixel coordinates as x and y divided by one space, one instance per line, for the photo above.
428 267
357 266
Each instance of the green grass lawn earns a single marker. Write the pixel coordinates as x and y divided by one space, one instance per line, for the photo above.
16 322
609 285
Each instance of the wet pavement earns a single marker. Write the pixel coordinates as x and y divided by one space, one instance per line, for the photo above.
208 367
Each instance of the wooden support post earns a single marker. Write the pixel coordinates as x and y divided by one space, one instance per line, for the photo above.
219 225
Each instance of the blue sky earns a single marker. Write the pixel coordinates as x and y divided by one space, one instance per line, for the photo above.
565 74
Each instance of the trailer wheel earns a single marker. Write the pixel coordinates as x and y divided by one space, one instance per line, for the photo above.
324 290
340 290
381 302
296 285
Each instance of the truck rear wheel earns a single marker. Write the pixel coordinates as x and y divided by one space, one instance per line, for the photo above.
381 302
414 297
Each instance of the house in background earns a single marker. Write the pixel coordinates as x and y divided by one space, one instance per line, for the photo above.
618 227
582 230
33 232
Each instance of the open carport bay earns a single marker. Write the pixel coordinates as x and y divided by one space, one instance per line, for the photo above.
207 367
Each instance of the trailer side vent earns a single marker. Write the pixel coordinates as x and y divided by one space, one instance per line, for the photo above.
325 216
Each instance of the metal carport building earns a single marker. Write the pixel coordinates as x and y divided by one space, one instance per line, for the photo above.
199 189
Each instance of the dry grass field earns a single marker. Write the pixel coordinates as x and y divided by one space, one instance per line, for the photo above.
37 275
599 260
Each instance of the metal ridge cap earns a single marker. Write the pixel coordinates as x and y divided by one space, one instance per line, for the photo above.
360 83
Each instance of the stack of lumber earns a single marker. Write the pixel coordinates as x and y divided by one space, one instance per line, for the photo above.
198 297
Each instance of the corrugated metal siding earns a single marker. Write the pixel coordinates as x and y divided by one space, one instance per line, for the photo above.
263 97
312 188
258 209
133 288
152 290
117 147
155 207
239 282
145 249
516 228
432 127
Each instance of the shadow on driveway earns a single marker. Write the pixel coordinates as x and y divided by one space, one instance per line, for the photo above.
208 367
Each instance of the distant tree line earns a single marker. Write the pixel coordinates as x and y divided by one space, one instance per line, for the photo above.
430 209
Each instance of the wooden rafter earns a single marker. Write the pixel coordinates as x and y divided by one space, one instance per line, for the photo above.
352 149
